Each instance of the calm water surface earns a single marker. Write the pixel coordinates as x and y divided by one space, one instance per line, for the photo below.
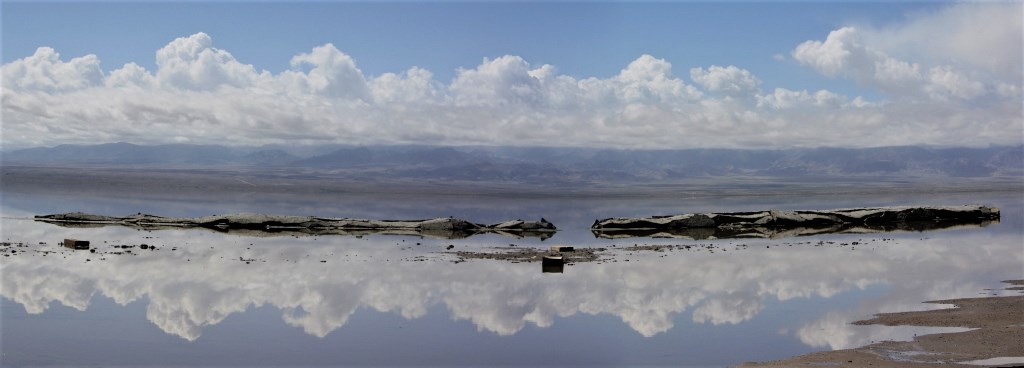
207 298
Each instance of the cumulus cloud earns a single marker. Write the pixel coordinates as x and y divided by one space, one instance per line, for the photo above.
415 85
728 80
962 52
505 80
943 81
130 75
202 94
783 98
192 63
972 35
844 54
332 73
649 80
44 71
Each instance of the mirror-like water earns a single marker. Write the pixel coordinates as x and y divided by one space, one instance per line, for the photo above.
203 297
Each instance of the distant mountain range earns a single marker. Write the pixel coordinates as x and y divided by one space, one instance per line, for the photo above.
531 164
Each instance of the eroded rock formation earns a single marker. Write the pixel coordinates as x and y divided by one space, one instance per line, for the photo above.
775 223
259 224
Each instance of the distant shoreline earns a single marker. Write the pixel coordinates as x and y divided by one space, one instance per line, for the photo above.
199 180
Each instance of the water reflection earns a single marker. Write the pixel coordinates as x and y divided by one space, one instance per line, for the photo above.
449 234
762 232
244 224
197 279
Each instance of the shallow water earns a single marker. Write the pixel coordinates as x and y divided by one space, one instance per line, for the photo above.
217 299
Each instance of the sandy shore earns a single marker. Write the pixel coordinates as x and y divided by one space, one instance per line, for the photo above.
998 324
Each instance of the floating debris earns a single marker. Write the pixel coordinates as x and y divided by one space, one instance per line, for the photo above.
76 244
552 264
562 248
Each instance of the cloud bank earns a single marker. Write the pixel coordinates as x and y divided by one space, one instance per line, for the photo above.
946 80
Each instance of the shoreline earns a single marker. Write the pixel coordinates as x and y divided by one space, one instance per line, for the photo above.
997 325
99 180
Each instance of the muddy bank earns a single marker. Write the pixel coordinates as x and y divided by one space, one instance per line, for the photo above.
258 224
999 333
780 224
517 255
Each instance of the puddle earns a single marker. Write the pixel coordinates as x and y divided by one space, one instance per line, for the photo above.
996 361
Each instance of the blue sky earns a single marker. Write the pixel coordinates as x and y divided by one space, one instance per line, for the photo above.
579 39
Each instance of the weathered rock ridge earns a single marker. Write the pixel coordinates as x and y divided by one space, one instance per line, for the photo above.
778 224
258 224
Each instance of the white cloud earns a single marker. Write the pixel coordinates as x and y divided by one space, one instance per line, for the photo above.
729 80
201 94
332 74
830 57
986 36
960 52
415 85
1008 90
45 72
502 81
783 98
130 75
844 54
649 80
943 81
192 63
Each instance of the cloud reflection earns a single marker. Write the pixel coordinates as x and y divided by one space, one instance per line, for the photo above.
318 284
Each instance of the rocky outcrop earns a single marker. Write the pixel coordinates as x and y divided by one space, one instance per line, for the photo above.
258 224
776 224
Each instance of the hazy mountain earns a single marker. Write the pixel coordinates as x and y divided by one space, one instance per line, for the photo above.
126 153
526 164
366 157
269 157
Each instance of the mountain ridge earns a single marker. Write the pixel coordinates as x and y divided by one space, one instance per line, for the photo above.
532 164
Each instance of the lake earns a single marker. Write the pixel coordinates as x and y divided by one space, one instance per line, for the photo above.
208 298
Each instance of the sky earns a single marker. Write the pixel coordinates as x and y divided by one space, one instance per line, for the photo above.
567 74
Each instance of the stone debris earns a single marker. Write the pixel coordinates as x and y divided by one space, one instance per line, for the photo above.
552 264
76 244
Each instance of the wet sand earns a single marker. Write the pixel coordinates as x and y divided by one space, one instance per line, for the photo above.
998 324
529 254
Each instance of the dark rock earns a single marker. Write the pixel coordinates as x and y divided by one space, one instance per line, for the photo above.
448 228
76 244
552 264
774 224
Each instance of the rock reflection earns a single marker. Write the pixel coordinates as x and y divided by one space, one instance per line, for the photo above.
248 224
762 232
430 233
318 284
